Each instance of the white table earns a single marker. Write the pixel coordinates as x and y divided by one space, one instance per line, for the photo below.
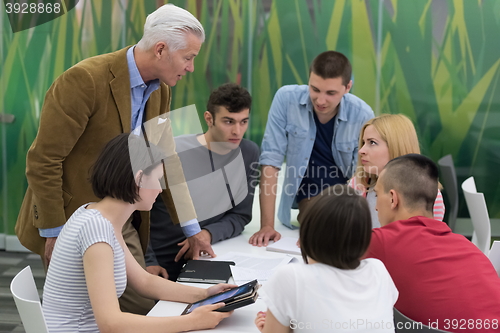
242 320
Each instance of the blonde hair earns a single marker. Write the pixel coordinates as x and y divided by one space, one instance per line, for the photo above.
398 132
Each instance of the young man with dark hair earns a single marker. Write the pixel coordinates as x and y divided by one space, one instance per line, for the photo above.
443 279
219 167
316 128
231 96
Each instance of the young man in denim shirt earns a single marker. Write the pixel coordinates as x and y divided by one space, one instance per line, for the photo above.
316 127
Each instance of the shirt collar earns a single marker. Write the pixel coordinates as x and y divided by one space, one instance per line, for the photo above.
305 100
342 114
135 75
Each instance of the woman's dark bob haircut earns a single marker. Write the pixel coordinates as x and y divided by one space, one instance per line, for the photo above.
336 229
112 174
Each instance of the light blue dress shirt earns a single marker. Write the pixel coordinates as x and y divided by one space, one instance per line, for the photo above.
291 131
139 91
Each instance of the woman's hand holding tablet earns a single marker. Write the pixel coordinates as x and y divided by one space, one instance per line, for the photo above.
233 298
208 316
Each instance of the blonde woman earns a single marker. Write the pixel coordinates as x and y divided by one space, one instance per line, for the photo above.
381 139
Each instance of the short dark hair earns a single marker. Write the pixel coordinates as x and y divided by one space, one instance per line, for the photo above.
415 177
112 174
331 65
233 97
336 229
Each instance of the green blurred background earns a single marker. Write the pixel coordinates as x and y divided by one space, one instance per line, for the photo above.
436 61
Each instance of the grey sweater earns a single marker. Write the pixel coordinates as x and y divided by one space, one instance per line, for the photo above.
197 162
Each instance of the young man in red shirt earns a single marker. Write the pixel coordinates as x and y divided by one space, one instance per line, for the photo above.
444 281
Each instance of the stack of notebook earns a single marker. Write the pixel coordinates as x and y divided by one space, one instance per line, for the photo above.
205 271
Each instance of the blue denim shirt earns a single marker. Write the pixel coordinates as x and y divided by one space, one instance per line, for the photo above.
291 131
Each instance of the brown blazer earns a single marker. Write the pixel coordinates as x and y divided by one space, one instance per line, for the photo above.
85 107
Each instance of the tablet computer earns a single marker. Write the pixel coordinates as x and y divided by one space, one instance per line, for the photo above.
233 298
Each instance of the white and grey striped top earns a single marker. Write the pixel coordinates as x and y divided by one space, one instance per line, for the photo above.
66 303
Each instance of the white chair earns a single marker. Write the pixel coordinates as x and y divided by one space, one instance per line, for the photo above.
23 288
478 215
494 256
449 178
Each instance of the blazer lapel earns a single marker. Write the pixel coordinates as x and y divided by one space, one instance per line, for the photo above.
153 108
120 87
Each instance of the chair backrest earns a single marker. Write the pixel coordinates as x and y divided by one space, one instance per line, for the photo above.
478 215
494 256
449 181
23 288
404 324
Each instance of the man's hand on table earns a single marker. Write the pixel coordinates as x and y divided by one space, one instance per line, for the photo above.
263 236
194 246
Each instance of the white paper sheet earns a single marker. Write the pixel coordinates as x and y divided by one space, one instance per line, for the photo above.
243 275
285 245
250 267
255 261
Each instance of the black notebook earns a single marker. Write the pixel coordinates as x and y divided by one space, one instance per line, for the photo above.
205 271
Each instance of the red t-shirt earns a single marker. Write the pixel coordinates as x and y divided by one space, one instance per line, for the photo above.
441 277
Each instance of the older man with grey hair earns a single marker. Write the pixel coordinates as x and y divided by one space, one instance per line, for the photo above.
88 105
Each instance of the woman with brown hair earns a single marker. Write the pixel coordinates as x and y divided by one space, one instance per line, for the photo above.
335 290
91 264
